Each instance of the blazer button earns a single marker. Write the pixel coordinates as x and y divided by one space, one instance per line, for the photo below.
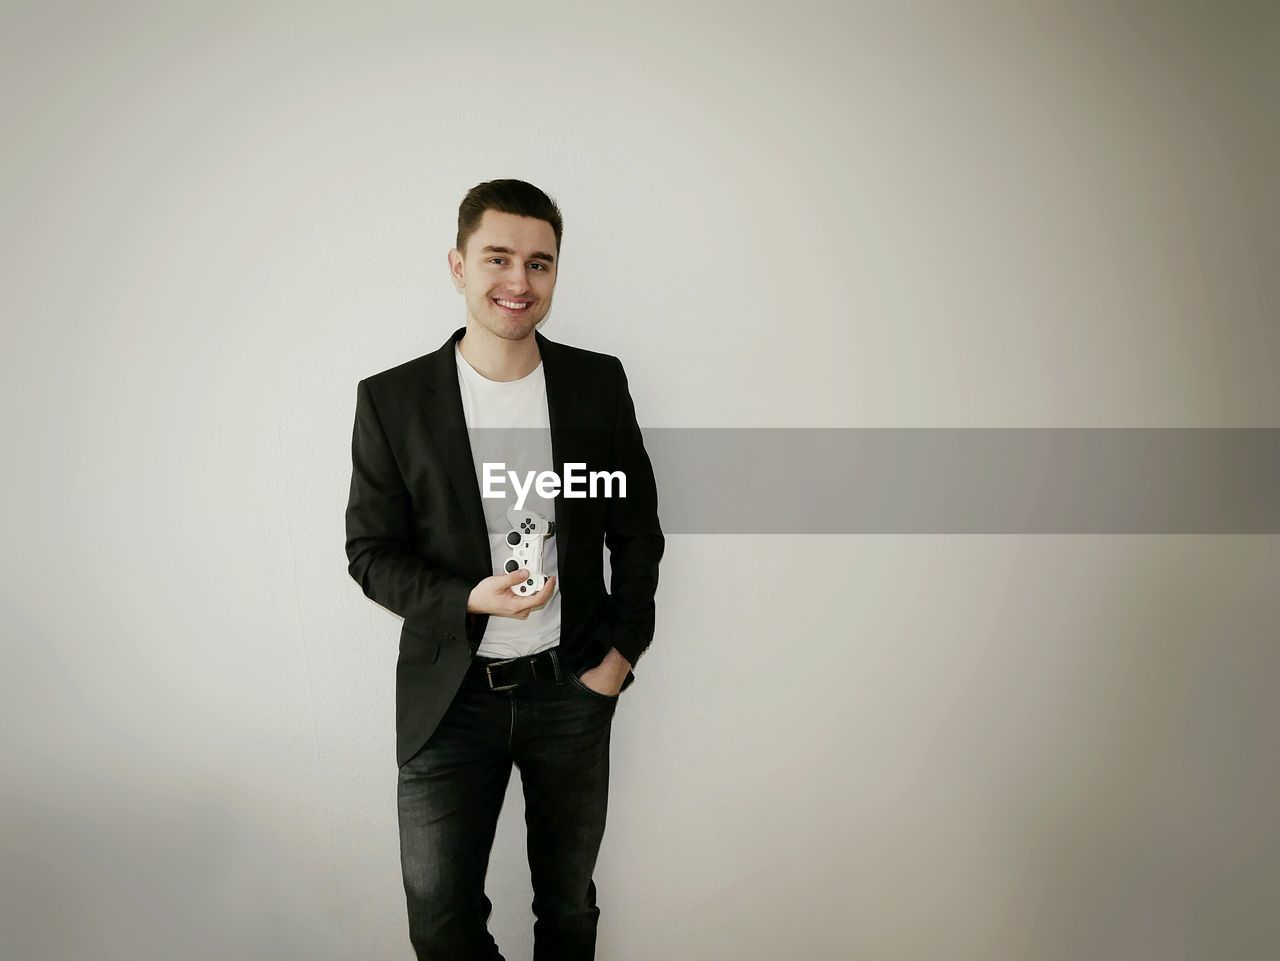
451 637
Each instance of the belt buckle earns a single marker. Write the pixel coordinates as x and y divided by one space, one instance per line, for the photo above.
488 674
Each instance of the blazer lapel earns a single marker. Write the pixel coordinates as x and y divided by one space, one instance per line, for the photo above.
448 426
564 441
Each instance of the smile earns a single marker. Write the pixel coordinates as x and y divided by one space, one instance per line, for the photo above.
514 306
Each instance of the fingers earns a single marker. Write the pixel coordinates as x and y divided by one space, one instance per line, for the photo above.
535 602
548 590
539 600
515 606
510 605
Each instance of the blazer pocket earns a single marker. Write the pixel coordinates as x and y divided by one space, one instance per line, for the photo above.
419 643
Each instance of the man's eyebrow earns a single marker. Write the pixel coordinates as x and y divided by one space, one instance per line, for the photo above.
536 255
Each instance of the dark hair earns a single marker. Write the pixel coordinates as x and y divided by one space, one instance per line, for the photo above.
508 197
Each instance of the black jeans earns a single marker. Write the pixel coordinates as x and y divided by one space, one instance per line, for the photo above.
450 793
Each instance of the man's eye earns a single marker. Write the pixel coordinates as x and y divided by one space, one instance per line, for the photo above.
503 260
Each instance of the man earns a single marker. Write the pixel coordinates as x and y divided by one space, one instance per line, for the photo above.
487 678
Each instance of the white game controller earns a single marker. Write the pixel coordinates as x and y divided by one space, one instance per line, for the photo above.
529 530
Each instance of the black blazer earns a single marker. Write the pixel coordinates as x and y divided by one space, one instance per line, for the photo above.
416 537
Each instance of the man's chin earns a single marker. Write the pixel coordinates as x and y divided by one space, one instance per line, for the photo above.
515 329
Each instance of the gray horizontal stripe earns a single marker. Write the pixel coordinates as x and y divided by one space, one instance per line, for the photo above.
977 480
959 480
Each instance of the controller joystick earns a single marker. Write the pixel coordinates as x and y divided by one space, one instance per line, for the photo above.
529 531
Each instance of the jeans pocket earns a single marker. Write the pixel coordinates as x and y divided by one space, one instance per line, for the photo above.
577 682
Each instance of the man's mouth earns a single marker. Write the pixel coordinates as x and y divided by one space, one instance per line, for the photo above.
514 306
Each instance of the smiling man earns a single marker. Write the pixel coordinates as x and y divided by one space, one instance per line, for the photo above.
487 678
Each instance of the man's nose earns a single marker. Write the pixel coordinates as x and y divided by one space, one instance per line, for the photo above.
518 278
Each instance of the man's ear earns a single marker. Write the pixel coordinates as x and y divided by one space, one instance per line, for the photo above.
456 270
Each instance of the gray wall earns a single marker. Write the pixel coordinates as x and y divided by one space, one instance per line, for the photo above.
216 219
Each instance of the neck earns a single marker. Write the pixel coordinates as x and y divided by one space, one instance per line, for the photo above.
495 357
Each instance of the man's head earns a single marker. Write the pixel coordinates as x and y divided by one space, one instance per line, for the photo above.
507 255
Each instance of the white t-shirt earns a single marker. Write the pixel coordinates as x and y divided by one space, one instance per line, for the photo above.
508 422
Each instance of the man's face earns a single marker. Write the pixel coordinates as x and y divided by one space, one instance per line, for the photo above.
510 262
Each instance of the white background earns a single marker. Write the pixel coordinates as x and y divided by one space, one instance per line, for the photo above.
217 218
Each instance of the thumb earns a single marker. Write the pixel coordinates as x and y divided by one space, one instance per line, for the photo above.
515 577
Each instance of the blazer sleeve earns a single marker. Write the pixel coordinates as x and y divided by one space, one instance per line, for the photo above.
380 544
633 534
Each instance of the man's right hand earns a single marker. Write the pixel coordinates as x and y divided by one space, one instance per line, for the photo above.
493 596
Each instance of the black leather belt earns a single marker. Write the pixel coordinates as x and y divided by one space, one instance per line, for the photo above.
504 674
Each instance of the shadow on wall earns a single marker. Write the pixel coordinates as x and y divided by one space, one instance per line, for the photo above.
110 849
96 874
1162 840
